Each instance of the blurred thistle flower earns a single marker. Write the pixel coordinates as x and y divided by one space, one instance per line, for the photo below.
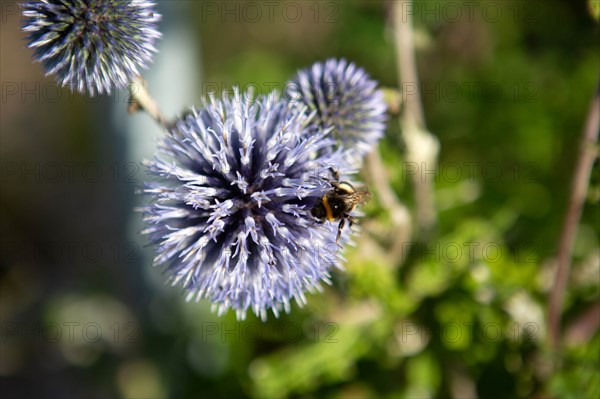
230 205
92 45
346 101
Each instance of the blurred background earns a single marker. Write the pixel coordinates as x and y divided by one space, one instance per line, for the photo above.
460 311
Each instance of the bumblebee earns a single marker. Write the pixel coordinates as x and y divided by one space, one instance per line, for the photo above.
337 204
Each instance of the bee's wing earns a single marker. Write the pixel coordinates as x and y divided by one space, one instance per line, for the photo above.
366 196
358 197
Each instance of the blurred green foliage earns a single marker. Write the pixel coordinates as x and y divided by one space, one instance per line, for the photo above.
464 314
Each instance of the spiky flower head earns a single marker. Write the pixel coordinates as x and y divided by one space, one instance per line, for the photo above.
92 45
230 209
346 101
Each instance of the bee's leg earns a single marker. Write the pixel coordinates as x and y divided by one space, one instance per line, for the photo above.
317 221
351 221
334 173
334 181
340 228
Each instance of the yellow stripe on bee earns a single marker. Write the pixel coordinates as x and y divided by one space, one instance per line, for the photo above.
347 187
327 209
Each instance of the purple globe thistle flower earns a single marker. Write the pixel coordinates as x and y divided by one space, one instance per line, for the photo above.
230 210
346 102
92 45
